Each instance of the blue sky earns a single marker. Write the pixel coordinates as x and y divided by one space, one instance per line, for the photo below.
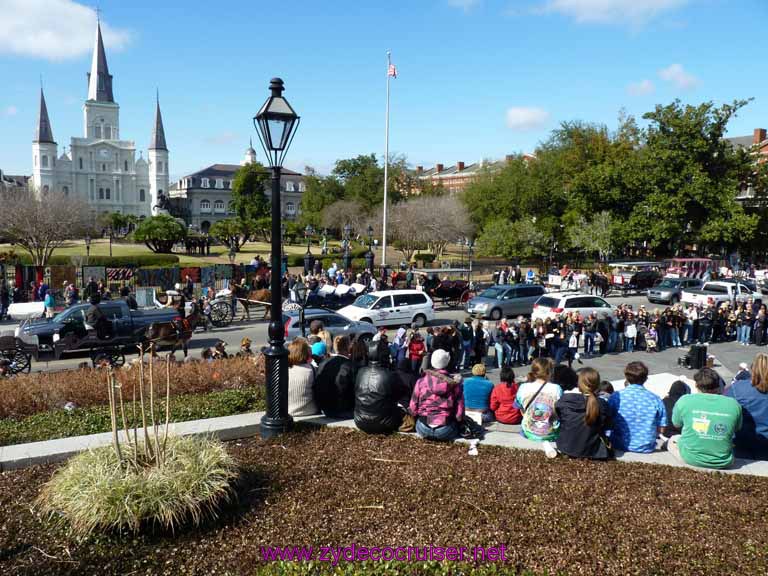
477 78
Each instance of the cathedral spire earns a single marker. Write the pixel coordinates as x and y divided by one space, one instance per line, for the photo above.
99 78
43 131
158 132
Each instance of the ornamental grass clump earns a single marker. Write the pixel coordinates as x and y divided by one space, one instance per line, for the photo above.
146 476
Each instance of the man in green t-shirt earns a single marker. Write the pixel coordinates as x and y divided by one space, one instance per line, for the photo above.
709 421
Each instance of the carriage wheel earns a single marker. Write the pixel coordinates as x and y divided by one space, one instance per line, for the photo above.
221 314
114 358
20 362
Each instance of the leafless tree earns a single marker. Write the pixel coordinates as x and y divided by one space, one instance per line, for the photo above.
343 212
41 225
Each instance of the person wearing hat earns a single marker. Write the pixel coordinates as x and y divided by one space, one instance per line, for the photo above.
437 402
376 391
319 352
245 347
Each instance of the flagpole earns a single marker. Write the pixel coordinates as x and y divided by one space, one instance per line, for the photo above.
386 170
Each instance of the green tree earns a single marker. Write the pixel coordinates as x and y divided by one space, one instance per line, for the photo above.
160 233
248 192
593 236
232 232
363 179
320 192
520 239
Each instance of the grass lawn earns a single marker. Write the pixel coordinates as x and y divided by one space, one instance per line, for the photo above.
336 487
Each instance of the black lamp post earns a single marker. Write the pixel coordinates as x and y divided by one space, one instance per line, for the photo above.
276 124
302 294
369 256
87 245
347 255
470 248
111 233
282 249
309 260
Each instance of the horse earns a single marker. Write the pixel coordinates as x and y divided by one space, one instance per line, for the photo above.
174 333
598 282
249 298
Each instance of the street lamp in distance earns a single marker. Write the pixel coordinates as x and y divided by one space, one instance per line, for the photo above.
369 256
309 260
87 245
302 294
276 124
470 250
111 234
347 255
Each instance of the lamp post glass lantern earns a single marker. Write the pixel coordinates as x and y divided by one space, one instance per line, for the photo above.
309 260
301 296
276 124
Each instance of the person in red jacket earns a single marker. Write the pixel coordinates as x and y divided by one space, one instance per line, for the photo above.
416 352
503 398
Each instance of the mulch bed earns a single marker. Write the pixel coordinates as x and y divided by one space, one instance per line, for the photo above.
339 486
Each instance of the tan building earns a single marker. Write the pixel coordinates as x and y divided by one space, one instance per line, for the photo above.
758 143
454 179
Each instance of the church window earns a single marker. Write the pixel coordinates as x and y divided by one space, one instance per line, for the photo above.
103 167
45 189
205 206
218 206
65 189
290 208
142 195
107 194
91 190
107 132
125 165
302 187
289 186
117 190
81 162
205 183
219 183
45 161
97 131
101 193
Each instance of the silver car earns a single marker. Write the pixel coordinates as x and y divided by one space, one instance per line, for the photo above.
505 300
334 323
670 290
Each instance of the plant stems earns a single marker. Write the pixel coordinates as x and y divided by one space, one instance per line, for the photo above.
167 399
152 405
113 415
147 445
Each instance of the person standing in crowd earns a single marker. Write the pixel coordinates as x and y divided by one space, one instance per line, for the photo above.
376 394
752 395
437 402
480 343
5 299
50 304
416 352
91 288
130 300
467 338
477 393
676 391
301 378
503 398
638 415
536 400
708 422
590 330
189 287
334 386
584 418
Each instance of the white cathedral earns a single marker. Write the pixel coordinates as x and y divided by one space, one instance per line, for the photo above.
100 168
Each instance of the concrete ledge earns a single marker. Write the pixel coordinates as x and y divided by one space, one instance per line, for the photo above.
247 425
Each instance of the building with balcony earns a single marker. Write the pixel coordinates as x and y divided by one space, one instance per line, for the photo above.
757 144
454 179
205 197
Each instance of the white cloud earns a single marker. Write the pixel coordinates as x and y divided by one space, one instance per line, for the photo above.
52 29
641 88
635 12
10 111
526 118
465 5
677 75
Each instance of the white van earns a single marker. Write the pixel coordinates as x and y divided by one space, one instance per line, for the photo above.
391 307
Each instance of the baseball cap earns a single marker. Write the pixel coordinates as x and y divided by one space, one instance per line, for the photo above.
319 349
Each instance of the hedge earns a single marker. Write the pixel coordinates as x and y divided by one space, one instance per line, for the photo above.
298 260
113 261
95 419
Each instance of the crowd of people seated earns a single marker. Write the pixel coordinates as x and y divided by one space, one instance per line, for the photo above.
387 387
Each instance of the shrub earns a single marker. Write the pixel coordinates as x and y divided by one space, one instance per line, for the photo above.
425 257
29 394
96 419
95 490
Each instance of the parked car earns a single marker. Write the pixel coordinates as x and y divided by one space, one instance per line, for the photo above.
556 304
505 300
671 290
718 292
334 323
389 307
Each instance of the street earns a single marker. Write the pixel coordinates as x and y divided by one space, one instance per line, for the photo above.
611 366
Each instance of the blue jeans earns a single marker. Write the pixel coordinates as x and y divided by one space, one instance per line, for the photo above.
629 344
611 341
589 343
524 352
500 356
675 333
687 332
466 348
743 333
441 433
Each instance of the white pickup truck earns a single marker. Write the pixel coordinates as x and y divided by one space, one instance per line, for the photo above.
716 293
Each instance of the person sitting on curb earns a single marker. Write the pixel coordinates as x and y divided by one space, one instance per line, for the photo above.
503 398
536 400
638 414
301 377
437 402
376 394
334 386
583 419
477 393
752 395
708 422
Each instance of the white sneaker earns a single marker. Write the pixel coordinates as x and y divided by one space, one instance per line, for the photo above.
472 448
549 449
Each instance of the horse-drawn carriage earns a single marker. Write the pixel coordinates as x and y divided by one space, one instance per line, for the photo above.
631 277
447 291
15 354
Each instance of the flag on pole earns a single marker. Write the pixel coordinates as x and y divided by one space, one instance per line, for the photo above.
392 71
